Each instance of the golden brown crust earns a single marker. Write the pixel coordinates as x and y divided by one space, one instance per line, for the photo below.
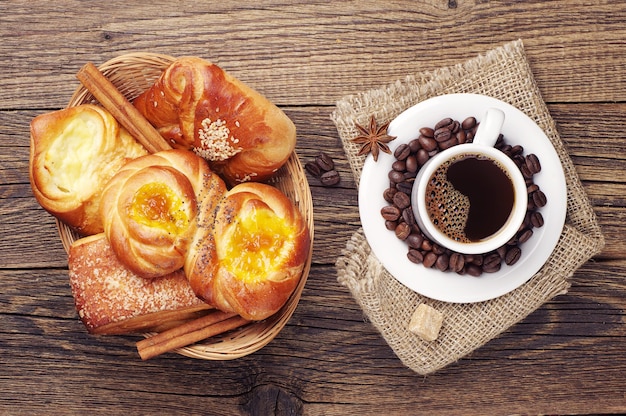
251 259
110 299
73 153
196 105
149 210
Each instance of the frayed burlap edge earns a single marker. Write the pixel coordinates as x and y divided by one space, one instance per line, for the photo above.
502 73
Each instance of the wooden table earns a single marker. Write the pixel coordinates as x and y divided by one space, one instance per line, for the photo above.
568 357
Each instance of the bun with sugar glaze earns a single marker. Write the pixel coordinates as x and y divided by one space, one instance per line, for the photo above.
110 299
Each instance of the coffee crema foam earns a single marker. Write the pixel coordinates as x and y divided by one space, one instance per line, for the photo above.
449 207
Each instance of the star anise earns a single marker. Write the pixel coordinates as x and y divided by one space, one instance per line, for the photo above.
373 139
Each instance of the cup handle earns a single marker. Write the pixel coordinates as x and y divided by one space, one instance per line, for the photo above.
489 128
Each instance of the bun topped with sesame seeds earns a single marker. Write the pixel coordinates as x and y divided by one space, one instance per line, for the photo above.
196 105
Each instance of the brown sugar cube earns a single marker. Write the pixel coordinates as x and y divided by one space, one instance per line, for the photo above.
426 322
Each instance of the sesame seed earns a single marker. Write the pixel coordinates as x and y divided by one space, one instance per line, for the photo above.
216 141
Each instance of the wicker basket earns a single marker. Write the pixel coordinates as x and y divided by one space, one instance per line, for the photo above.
134 73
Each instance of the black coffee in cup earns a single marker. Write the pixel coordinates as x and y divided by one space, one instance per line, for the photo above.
469 197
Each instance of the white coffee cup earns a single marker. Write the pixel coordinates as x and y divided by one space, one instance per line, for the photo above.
482 148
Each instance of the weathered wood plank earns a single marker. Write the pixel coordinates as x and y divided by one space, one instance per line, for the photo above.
290 51
335 351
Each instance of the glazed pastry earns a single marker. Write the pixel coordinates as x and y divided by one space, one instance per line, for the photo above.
196 105
73 154
249 261
110 299
149 209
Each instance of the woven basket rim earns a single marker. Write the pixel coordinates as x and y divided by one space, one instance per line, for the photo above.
290 178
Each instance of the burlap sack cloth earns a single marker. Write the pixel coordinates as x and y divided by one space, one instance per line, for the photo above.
502 73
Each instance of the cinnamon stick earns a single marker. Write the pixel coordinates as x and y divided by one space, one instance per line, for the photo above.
189 333
122 109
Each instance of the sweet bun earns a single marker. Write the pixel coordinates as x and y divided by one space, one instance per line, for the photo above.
73 154
110 299
251 259
196 105
149 209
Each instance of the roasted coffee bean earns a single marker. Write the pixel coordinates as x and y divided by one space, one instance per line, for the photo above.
492 268
517 150
391 225
473 270
476 259
461 136
437 249
414 145
422 157
430 259
401 200
409 175
526 173
325 162
330 178
505 148
501 251
415 256
402 152
390 213
519 160
532 162
389 193
442 134
395 176
411 164
405 186
442 262
512 255
415 241
399 165
443 123
403 230
427 245
427 132
427 143
536 219
313 168
452 141
468 123
539 198
491 260
524 236
532 188
455 127
407 216
456 263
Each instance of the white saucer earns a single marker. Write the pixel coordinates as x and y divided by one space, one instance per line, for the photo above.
448 286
